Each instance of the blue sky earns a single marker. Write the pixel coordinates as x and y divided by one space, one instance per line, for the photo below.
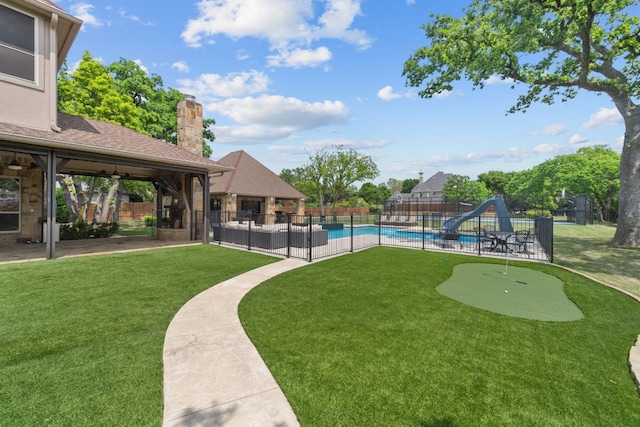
284 78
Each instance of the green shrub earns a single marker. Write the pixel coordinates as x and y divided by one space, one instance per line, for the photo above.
62 212
150 220
80 229
532 213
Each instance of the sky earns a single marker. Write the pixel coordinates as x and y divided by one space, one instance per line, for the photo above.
286 78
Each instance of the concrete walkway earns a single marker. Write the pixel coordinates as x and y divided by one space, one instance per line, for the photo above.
213 375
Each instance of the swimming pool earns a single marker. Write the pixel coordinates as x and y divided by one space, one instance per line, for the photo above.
374 230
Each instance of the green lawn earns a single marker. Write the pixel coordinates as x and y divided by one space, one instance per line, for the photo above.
362 339
586 249
365 339
134 228
81 339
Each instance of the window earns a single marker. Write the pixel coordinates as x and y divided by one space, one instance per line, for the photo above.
17 44
9 204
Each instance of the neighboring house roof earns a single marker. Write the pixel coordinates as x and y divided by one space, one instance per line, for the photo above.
433 184
251 178
90 136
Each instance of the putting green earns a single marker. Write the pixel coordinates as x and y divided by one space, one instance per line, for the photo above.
514 291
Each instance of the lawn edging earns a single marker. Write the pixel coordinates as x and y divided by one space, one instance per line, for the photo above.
634 352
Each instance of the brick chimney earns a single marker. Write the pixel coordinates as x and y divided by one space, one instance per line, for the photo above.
190 125
420 178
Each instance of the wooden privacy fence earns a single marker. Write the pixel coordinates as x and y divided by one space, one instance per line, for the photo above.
130 211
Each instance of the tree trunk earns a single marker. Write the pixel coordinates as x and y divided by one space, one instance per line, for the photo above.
105 202
116 205
69 196
628 230
84 201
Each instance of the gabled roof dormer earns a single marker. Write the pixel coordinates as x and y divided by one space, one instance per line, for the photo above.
35 37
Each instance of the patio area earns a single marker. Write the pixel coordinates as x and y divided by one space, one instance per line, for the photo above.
21 252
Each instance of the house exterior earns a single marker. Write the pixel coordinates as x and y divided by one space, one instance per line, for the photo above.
37 142
251 189
426 196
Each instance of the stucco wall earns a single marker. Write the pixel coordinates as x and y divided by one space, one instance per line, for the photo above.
19 96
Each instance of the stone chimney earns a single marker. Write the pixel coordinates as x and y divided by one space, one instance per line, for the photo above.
190 125
420 178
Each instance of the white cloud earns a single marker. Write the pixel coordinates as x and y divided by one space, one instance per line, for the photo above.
251 134
290 26
209 87
554 129
300 58
83 11
605 116
315 145
139 63
387 94
123 13
443 94
410 2
181 66
577 139
279 112
270 118
242 55
496 80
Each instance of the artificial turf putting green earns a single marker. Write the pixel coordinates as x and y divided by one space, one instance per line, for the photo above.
513 291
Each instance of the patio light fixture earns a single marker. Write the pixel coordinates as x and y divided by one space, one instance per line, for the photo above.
14 165
115 174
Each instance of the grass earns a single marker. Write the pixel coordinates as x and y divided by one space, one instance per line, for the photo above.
82 338
365 339
586 249
134 228
351 340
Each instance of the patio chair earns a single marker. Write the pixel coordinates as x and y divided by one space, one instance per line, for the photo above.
488 239
523 239
448 237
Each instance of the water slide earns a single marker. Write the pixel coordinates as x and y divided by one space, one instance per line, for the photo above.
451 225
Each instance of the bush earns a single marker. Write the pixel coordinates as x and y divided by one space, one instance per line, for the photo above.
83 230
62 212
150 220
532 213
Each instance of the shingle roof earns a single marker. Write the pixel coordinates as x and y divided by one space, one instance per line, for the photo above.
251 178
97 137
433 184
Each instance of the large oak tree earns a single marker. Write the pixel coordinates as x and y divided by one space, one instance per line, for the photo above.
555 48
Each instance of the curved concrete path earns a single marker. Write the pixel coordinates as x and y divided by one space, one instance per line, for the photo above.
213 375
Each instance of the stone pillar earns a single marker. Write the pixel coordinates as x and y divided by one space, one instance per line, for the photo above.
190 138
190 125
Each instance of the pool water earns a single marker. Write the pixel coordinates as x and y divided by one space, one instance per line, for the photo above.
373 230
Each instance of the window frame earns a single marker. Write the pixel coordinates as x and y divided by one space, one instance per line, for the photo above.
19 211
34 54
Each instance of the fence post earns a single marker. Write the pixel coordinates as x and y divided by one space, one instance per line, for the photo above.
249 234
478 236
423 230
310 240
351 233
288 234
379 229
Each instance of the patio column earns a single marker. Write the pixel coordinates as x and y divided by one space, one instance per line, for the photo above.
206 207
51 205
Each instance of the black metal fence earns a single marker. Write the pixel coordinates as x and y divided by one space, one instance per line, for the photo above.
309 237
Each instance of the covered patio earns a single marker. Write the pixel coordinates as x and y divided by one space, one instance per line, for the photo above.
179 174
24 252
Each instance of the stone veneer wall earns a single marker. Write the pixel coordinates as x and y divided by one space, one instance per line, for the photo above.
31 202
